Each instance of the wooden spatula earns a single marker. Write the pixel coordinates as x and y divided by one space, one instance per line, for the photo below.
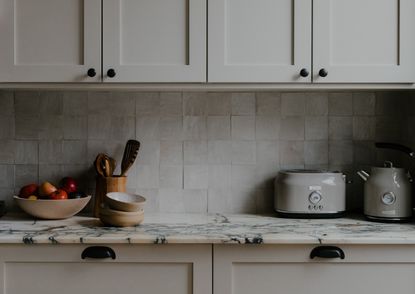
129 156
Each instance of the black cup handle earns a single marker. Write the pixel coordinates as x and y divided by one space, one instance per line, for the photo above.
98 252
327 252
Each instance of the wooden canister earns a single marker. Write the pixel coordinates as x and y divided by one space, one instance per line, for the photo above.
106 185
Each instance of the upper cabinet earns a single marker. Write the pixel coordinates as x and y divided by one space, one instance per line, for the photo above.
354 41
143 41
357 41
259 41
154 40
50 40
214 41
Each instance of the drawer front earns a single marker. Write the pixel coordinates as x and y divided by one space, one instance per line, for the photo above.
289 269
136 269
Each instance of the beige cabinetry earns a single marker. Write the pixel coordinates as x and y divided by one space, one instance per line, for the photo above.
288 269
364 41
154 40
50 40
150 269
336 41
259 40
110 40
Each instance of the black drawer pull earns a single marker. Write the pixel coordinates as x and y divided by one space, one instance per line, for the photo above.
98 252
327 252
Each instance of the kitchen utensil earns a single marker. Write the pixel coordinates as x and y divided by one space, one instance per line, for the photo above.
120 218
107 166
52 209
395 146
388 190
113 165
129 156
105 185
98 164
310 193
125 201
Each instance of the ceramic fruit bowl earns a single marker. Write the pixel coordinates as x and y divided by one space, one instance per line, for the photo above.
125 201
120 218
52 209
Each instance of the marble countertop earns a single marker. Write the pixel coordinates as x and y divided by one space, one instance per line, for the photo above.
205 229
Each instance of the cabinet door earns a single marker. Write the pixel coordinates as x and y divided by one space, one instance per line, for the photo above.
50 40
288 269
154 40
364 41
259 40
149 269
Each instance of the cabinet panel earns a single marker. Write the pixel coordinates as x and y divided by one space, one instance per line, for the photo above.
288 269
151 269
107 278
49 40
364 41
155 40
259 41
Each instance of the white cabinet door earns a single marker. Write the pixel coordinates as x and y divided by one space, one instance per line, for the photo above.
288 269
259 40
149 269
50 40
154 40
364 41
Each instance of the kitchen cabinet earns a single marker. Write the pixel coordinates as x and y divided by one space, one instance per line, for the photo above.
259 41
50 40
154 40
357 41
364 41
150 269
381 269
142 41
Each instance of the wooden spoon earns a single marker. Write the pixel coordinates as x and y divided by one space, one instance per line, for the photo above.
129 156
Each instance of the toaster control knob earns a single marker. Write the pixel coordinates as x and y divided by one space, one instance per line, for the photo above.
388 198
315 197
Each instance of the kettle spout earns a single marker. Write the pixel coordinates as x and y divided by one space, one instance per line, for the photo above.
364 175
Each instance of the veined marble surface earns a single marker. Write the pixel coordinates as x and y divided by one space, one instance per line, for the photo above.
204 228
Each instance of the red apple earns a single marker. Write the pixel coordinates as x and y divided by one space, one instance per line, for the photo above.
58 195
69 185
28 190
46 189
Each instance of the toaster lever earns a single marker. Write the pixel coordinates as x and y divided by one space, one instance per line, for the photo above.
327 252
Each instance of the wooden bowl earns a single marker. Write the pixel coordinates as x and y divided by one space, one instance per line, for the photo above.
52 209
125 201
120 218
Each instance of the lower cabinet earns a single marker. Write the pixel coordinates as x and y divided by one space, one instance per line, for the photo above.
288 269
149 269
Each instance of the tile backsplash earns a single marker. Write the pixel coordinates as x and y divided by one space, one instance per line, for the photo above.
201 151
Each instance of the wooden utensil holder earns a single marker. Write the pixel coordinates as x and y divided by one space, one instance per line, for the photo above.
106 185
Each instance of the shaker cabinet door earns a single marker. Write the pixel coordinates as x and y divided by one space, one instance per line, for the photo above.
364 41
259 41
288 269
148 269
50 40
154 40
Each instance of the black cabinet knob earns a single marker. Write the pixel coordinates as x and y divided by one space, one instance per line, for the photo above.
111 73
91 72
323 73
327 252
98 252
304 73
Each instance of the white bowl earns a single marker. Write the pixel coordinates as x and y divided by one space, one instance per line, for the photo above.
125 201
120 218
52 209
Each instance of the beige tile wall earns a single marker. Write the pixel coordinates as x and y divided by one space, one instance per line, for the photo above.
216 152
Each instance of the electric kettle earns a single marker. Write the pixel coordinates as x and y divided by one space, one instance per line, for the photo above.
388 190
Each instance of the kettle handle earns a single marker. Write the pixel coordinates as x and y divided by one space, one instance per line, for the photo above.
364 175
